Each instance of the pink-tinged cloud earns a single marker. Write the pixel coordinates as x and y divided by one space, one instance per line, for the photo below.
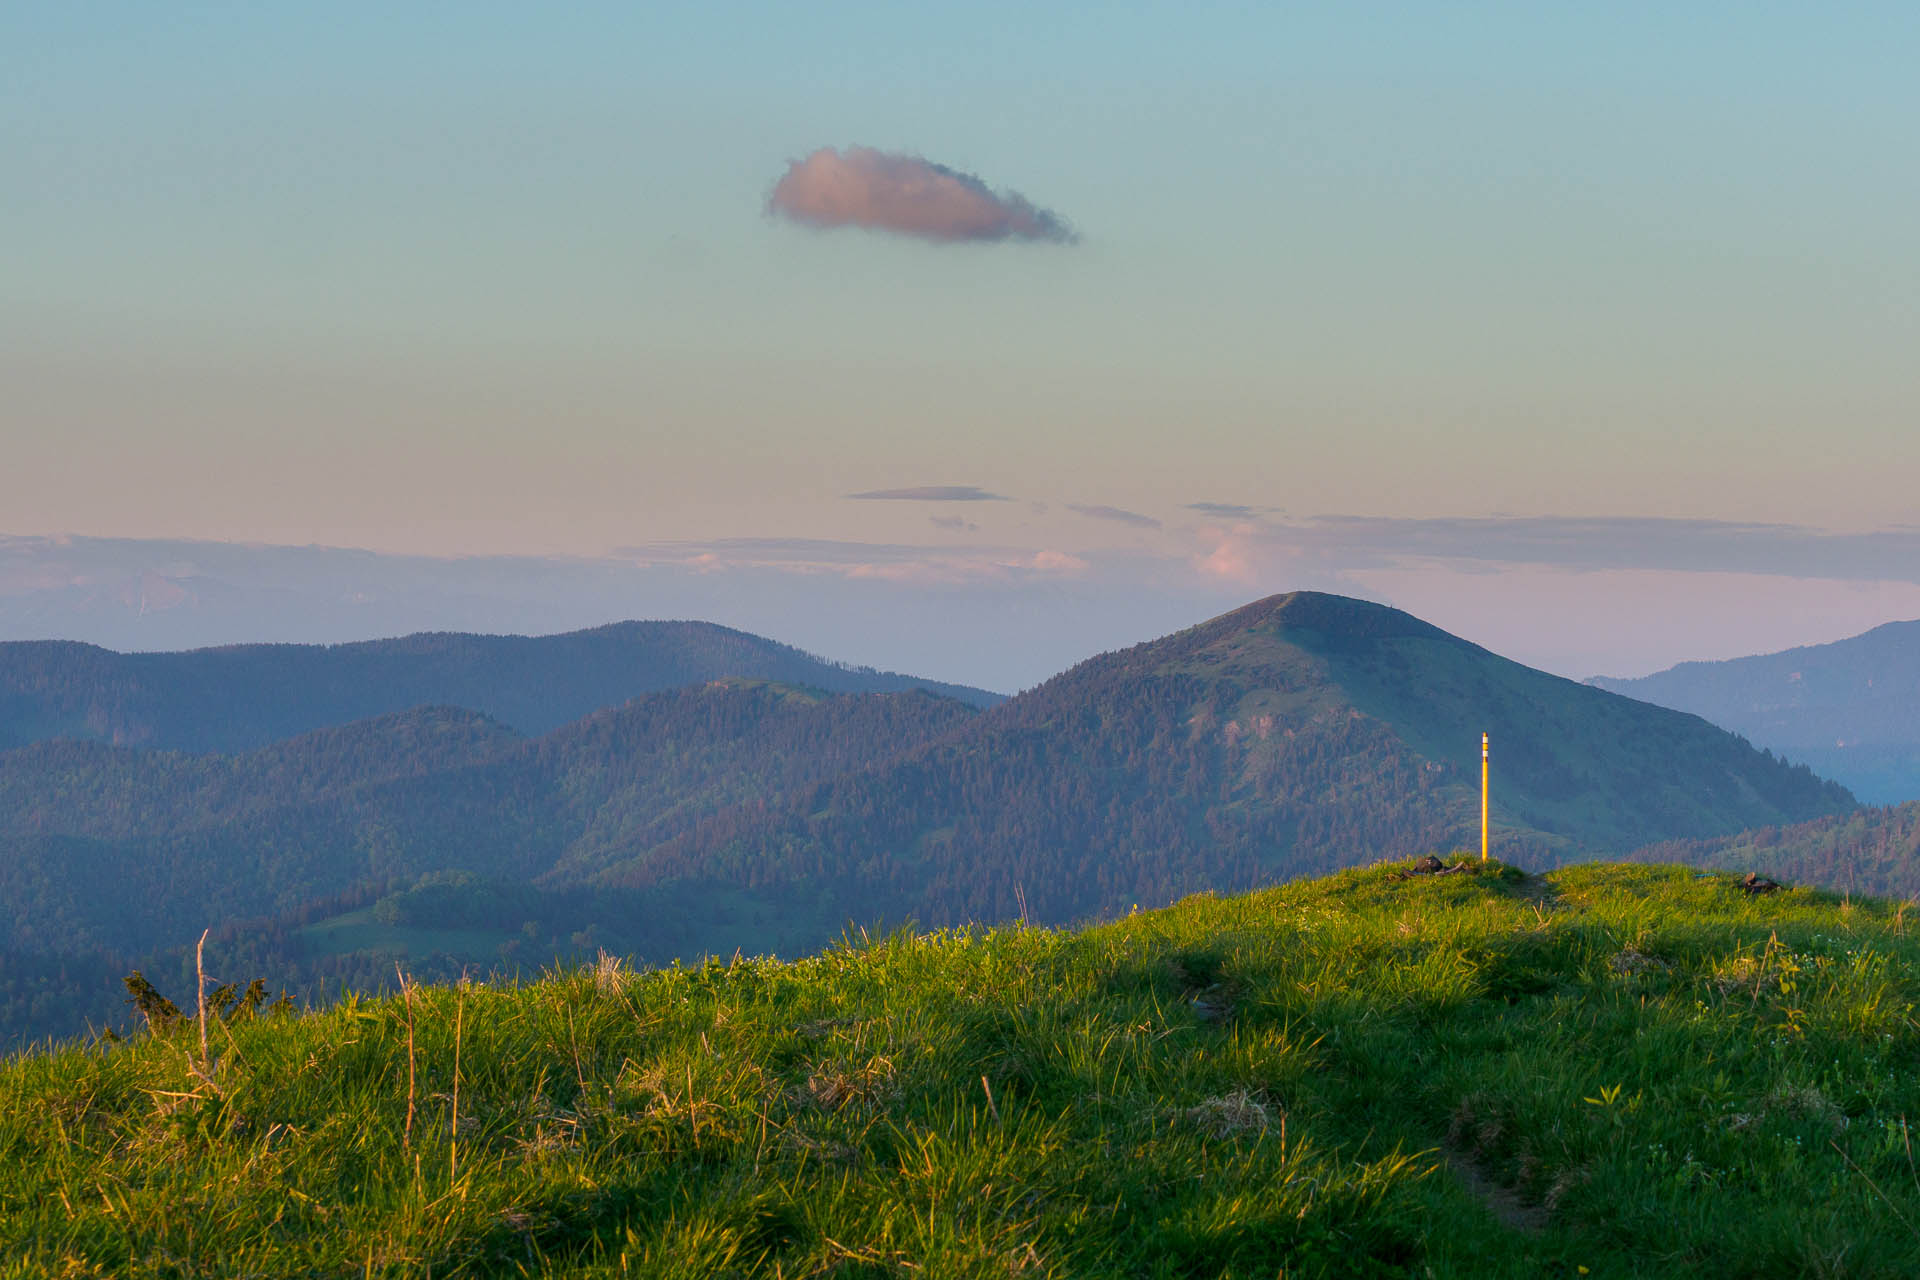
1236 555
887 191
1057 562
1228 560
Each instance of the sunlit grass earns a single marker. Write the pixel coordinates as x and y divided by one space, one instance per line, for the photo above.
1635 1070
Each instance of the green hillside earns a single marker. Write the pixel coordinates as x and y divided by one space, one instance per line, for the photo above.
244 697
1606 1071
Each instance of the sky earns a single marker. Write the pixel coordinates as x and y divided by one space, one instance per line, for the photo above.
1585 331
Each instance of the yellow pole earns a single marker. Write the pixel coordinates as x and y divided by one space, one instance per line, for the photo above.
1483 797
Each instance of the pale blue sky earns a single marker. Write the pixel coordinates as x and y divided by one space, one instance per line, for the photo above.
476 278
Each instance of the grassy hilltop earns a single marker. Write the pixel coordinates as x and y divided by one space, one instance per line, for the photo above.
1614 1071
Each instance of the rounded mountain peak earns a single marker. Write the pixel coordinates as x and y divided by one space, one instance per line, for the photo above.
1339 617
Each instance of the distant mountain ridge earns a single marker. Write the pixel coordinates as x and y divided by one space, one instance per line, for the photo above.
1294 736
1850 709
243 697
1297 735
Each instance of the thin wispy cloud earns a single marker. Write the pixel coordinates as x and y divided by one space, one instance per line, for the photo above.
900 562
958 524
1224 510
888 191
1583 544
932 493
1116 514
772 552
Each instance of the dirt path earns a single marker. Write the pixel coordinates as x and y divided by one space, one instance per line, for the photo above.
1512 1213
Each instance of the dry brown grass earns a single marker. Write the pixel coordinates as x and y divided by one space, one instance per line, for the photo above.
1230 1114
834 1085
1629 961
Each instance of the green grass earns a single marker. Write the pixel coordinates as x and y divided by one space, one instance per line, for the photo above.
1628 1070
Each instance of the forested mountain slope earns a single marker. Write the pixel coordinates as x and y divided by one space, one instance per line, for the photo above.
1871 850
1850 709
1292 737
90 789
115 848
246 696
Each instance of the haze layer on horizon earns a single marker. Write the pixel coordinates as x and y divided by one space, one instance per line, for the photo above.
987 616
1595 323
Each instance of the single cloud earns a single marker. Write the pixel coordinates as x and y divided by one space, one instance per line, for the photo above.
887 191
1115 514
1236 556
1225 510
933 493
1057 562
959 524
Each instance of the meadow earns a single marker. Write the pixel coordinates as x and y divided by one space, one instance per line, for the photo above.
1607 1070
